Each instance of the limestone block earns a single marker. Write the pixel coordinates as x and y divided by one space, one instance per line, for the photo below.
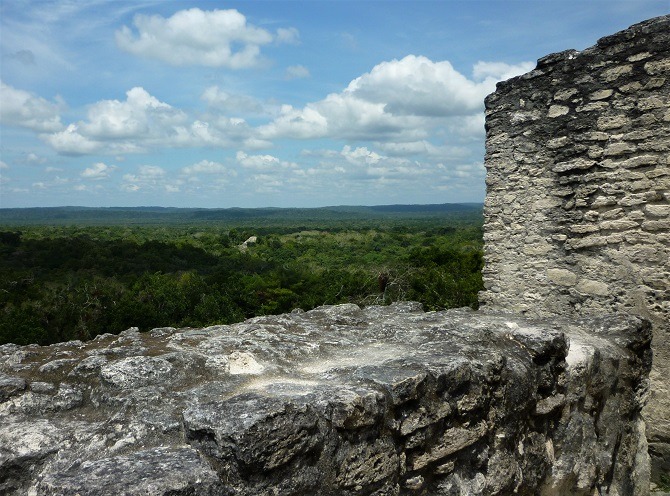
621 224
592 287
657 210
616 149
580 164
657 67
615 73
557 111
562 277
565 94
587 242
593 107
654 83
650 103
639 56
601 94
607 123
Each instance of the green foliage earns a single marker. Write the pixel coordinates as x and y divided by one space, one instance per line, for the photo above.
59 283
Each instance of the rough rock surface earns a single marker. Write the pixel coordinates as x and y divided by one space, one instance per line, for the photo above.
578 201
338 400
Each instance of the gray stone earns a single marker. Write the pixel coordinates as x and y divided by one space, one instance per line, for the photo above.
343 400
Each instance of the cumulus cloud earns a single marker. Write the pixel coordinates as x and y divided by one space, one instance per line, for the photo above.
416 85
139 115
71 142
98 171
263 162
139 123
22 108
206 167
143 122
149 177
297 72
216 38
399 100
360 155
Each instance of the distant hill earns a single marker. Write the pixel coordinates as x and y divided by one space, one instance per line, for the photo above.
170 215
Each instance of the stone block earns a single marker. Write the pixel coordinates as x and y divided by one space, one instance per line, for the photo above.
562 277
657 67
601 94
617 72
657 210
607 123
592 287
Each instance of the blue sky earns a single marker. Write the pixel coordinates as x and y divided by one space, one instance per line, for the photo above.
266 103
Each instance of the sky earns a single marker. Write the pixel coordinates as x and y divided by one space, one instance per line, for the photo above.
267 103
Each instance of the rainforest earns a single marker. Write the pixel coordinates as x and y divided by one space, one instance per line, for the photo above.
75 273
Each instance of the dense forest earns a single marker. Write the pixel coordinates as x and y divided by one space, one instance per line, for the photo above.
77 275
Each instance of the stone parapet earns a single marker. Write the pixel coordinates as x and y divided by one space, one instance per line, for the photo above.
335 401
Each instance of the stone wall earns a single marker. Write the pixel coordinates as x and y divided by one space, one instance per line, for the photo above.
578 203
335 401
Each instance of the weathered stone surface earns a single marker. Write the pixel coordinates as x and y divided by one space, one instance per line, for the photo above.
334 401
601 149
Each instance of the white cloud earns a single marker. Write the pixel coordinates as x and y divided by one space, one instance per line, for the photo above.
140 115
34 159
87 187
400 101
147 177
265 183
151 171
55 182
263 162
288 35
216 38
71 142
115 126
360 155
206 167
139 123
21 108
98 171
415 85
297 72
3 165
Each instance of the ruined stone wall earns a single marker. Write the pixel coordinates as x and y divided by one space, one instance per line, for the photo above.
578 203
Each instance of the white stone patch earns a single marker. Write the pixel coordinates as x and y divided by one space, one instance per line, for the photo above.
283 385
367 355
242 362
557 111
578 354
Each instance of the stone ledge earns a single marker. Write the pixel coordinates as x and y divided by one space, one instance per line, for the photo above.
338 400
